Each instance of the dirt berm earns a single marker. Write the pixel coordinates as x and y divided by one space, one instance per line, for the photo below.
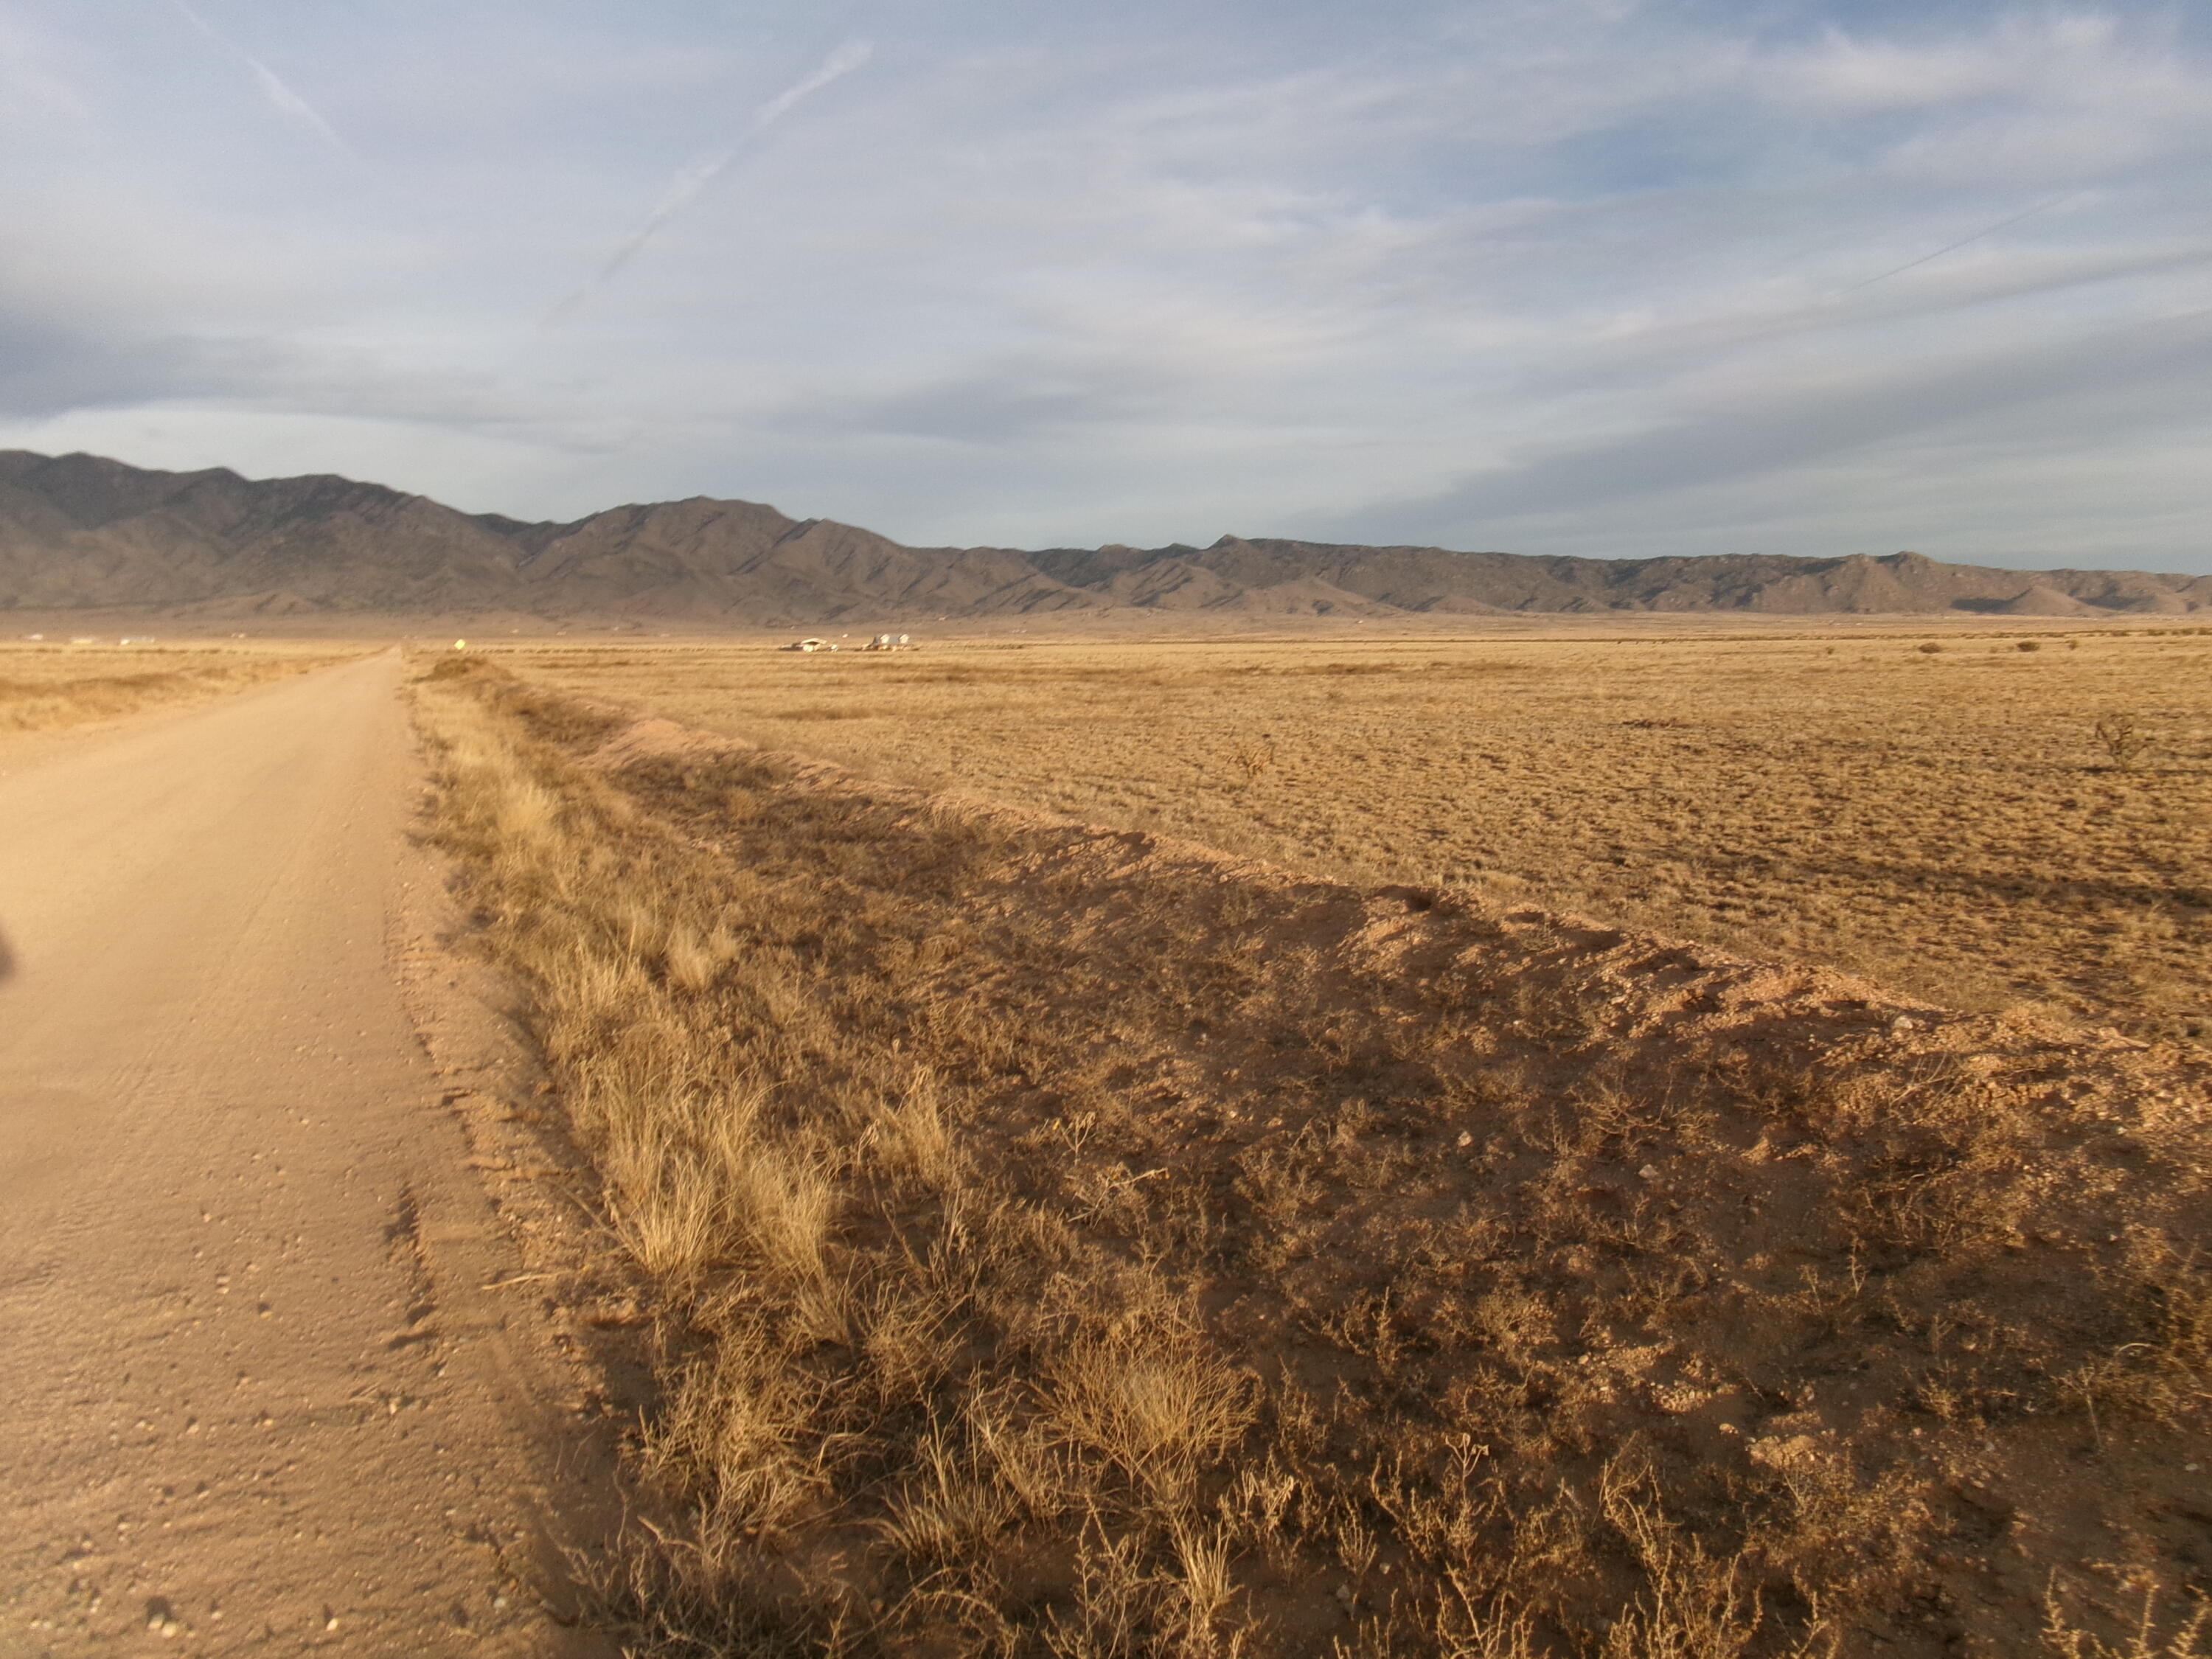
1514 1284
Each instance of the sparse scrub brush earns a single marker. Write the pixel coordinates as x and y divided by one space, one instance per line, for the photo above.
2124 739
2149 1640
1253 756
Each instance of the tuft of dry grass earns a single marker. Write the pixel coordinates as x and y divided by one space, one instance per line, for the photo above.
1067 1243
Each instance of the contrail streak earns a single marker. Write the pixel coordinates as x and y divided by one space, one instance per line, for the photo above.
1953 247
843 61
285 101
685 187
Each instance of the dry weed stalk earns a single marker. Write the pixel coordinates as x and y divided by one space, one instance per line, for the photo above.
2149 1638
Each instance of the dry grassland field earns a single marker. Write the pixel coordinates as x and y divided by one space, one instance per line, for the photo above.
48 686
1938 813
1044 1238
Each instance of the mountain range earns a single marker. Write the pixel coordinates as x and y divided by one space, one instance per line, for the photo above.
82 532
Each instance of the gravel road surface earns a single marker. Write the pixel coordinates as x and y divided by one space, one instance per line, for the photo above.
260 1394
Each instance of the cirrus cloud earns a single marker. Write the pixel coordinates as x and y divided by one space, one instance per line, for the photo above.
1603 276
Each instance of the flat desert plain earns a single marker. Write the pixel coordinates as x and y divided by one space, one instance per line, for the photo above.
47 685
1487 1223
1931 807
1680 1144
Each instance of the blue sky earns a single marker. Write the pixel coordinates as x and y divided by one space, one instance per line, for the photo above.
1587 277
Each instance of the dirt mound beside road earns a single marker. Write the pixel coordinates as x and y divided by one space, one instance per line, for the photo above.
1593 1291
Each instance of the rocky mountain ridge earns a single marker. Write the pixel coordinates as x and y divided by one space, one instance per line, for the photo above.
81 533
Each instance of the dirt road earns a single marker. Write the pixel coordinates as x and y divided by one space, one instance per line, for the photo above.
258 1398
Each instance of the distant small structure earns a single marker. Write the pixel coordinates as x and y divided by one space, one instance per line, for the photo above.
810 645
889 642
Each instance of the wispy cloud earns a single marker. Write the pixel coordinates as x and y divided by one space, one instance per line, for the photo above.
1593 275
692 180
274 90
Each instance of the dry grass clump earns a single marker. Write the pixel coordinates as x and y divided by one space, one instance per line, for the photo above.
46 686
883 1366
1069 1243
1952 820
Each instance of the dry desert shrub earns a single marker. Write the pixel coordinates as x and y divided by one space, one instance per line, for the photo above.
2123 738
1069 1242
1253 756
